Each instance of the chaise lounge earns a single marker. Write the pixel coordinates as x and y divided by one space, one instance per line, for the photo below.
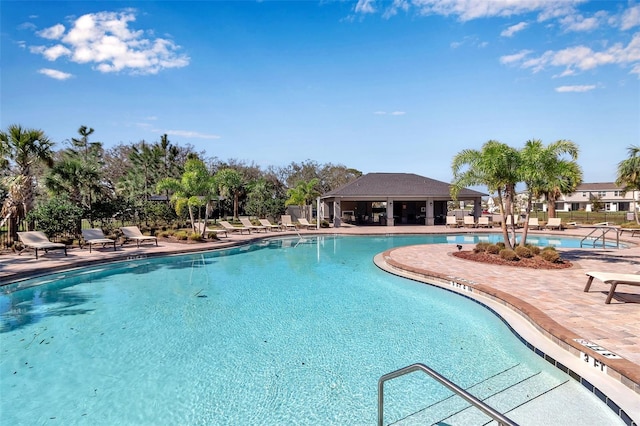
93 236
132 233
247 224
613 280
230 228
304 222
37 240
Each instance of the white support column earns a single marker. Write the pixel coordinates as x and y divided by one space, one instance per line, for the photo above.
389 212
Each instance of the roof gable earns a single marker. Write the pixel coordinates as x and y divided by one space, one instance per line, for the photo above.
397 185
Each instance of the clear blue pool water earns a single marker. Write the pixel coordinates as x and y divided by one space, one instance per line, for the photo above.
279 333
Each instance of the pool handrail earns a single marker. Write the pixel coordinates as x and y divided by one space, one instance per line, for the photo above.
488 410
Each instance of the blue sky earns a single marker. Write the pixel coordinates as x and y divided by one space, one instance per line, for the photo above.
393 86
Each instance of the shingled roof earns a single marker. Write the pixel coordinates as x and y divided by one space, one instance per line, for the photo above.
397 185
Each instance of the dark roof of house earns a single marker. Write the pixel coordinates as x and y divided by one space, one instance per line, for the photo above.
397 185
598 186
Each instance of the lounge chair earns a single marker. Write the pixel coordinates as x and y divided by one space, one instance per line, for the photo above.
269 225
533 223
510 222
612 279
304 222
230 228
37 240
554 223
93 236
469 221
132 233
206 231
247 224
452 222
483 222
287 223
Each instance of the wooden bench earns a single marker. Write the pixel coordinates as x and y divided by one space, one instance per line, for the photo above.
612 279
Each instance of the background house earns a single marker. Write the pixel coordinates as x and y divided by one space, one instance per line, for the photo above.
605 196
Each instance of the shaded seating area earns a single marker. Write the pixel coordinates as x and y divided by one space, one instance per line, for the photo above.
93 236
133 233
230 228
613 280
269 225
37 240
247 224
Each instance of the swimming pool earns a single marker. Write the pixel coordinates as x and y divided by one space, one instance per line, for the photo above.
283 332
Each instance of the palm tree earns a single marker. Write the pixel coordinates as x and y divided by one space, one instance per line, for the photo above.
195 189
548 171
496 165
230 184
20 150
629 174
303 194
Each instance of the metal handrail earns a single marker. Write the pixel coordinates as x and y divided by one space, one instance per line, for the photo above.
604 227
490 411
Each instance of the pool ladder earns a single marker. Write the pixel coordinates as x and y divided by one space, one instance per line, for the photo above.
488 410
604 228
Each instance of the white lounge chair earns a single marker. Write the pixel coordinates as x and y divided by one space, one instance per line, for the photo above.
287 223
206 231
269 225
229 227
483 222
304 222
247 224
554 223
533 223
613 280
37 240
452 222
93 236
132 233
469 221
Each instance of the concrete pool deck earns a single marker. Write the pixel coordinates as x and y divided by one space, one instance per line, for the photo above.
552 301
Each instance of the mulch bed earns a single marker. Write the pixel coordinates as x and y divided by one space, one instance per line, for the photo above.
535 262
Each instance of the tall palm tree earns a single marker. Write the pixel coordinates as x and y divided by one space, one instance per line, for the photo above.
628 175
496 166
195 189
20 150
548 171
230 184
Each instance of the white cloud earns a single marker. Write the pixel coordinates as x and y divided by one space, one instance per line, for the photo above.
577 22
584 58
52 33
189 134
630 18
398 113
509 32
389 113
577 88
105 40
58 75
516 57
365 6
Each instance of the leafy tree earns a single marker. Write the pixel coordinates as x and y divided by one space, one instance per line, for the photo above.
230 184
497 166
263 199
546 170
195 189
20 151
57 217
628 174
303 194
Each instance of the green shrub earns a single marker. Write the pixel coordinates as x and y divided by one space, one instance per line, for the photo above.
508 254
550 255
324 224
535 250
493 249
501 245
195 237
523 252
164 234
181 235
481 247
